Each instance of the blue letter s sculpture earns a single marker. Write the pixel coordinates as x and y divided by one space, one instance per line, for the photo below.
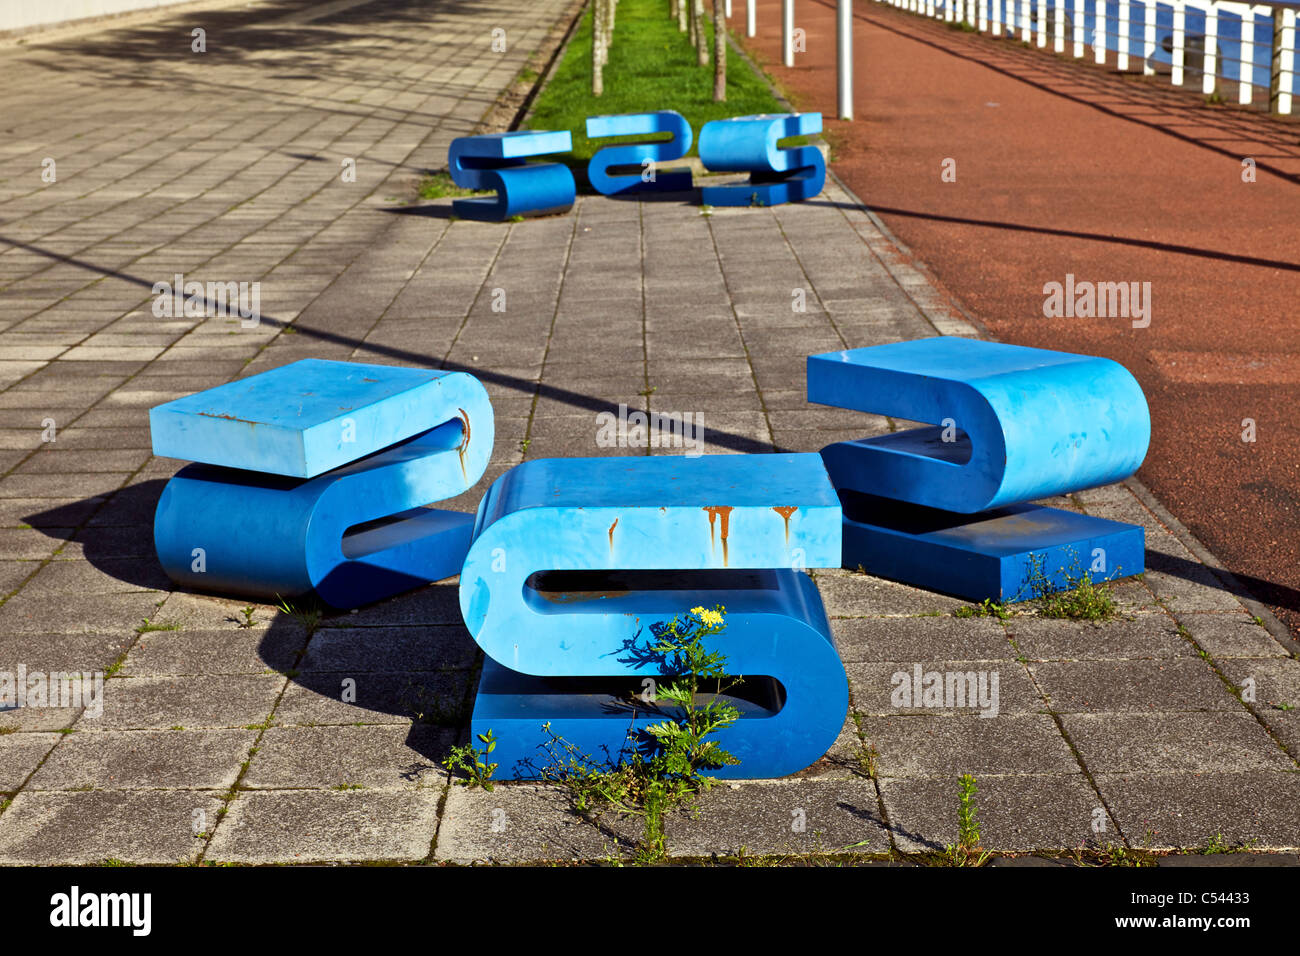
942 506
500 161
748 144
574 561
638 154
296 467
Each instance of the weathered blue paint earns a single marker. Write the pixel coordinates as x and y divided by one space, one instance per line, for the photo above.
1023 423
499 161
264 535
637 154
302 419
941 506
749 144
631 542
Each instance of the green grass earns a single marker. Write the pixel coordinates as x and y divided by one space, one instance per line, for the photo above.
651 67
439 185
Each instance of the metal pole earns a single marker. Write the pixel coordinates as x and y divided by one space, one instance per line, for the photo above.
750 26
844 56
787 31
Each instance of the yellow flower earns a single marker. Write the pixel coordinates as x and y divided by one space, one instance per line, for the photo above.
697 610
709 618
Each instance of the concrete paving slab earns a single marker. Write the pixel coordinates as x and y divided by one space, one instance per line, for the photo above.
372 757
522 823
146 760
313 826
1016 813
1158 811
88 827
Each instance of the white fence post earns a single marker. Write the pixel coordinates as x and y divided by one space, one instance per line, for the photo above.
1042 23
1179 40
1124 28
1026 22
1286 60
1210 74
1149 38
982 16
1078 28
1099 31
1246 74
1058 33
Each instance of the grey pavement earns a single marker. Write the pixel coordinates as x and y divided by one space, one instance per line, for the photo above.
227 736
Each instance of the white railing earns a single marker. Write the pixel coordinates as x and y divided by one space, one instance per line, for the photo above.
1251 45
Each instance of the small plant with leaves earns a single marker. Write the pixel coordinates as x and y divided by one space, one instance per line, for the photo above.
247 612
967 850
665 763
473 762
308 616
986 608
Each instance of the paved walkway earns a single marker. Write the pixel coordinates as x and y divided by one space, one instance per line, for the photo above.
224 737
1063 167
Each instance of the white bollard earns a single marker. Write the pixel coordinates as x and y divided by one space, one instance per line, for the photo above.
844 56
1058 33
787 32
982 16
1026 22
1078 28
726 9
751 27
1042 23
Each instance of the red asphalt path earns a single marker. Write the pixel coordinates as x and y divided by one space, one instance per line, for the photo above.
1063 167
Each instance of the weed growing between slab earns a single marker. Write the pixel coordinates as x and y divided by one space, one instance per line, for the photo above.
967 850
473 762
1082 599
664 768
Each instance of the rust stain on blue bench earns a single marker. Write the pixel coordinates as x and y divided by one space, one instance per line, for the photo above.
575 562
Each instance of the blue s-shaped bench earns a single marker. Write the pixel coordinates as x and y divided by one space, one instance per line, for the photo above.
945 506
639 154
749 144
576 561
499 161
312 477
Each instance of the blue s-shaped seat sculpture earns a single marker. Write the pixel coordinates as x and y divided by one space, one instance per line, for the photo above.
639 154
943 506
576 561
748 144
499 161
312 476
